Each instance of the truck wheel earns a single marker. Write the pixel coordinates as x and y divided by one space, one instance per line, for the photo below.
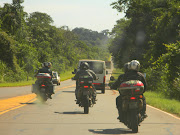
103 90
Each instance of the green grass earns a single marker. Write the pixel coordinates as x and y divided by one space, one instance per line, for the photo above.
158 100
15 84
64 76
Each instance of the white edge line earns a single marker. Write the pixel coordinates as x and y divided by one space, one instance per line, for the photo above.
164 112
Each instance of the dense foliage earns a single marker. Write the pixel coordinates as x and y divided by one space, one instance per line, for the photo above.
27 40
150 33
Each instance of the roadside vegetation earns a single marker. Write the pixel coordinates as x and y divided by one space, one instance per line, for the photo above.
157 99
150 33
64 76
27 40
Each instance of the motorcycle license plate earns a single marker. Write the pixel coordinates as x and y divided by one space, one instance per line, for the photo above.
43 89
133 105
85 92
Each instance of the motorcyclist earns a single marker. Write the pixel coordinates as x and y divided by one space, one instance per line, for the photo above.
131 70
84 69
46 69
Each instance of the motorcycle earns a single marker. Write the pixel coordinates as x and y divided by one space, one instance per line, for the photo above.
132 103
41 87
86 91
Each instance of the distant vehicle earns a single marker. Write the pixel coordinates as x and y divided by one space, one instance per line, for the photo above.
56 78
108 64
99 67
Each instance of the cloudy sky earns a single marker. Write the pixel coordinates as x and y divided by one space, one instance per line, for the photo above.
96 15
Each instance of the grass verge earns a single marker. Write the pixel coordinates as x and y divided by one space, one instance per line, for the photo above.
64 76
156 99
15 84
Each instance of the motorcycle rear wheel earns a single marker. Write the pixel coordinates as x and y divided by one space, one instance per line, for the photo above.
134 122
42 97
86 104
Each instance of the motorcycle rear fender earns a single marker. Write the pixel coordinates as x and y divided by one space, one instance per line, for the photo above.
43 89
85 92
133 105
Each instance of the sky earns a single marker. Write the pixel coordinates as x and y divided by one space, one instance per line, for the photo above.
96 15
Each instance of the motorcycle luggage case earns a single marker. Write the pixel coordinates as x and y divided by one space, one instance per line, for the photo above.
43 76
135 87
34 88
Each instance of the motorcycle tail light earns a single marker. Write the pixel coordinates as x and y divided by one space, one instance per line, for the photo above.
85 86
137 90
43 85
132 98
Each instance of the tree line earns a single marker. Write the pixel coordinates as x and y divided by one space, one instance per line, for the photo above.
150 33
27 40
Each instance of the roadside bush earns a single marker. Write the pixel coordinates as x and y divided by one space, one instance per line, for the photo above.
14 77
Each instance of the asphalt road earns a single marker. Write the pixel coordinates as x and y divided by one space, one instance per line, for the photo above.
61 116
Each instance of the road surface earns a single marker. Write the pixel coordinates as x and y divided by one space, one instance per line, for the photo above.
61 116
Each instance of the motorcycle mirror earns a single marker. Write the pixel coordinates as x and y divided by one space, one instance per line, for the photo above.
106 72
112 78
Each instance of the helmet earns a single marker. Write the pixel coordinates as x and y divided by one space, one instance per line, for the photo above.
45 64
126 66
134 65
84 65
49 64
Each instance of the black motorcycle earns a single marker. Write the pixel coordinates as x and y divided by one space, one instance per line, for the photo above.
42 86
132 103
86 91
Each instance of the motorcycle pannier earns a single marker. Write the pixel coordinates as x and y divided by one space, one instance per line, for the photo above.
132 87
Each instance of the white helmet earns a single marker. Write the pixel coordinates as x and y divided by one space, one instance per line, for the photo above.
134 65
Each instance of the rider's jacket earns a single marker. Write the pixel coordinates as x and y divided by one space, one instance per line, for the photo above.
130 75
45 70
85 72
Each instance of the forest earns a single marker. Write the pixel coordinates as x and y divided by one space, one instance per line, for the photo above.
150 33
27 40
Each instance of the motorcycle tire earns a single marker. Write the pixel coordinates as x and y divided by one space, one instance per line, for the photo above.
134 121
42 97
86 104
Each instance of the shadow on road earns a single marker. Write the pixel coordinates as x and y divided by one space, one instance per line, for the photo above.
69 91
69 112
111 131
162 123
27 103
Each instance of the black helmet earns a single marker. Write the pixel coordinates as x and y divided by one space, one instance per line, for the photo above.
84 66
49 64
126 66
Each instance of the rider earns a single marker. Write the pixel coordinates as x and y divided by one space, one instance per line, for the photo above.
46 69
131 70
84 69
